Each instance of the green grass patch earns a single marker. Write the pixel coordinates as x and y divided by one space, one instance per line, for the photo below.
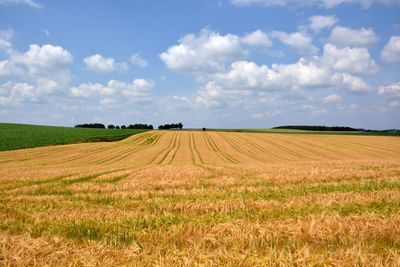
17 136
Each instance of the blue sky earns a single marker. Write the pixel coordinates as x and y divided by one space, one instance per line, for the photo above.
206 63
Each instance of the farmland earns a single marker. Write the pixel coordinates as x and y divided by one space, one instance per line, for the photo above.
175 198
16 136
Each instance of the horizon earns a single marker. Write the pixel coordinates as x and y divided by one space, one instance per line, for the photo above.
229 64
277 127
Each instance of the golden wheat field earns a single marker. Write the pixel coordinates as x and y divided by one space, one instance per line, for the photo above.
187 198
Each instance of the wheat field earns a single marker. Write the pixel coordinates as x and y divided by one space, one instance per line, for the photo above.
191 198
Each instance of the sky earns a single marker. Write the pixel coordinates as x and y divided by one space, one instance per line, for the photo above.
205 63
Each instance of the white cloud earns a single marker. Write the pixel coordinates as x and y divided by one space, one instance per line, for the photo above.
41 59
318 23
350 60
342 36
313 110
30 3
391 90
206 52
299 41
333 98
46 32
104 64
355 84
12 93
41 62
8 68
246 80
256 38
138 91
5 40
391 51
262 115
137 60
7 34
322 3
108 102
92 89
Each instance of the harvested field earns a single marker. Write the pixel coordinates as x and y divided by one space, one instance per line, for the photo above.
182 198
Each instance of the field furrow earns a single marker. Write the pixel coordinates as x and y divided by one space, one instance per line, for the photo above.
183 198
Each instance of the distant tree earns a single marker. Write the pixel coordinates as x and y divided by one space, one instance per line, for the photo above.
318 128
123 127
117 127
90 125
171 126
204 129
140 126
110 126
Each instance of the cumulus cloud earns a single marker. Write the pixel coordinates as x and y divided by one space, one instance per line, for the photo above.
40 59
333 98
139 90
342 36
263 115
100 63
256 38
206 52
12 93
317 23
391 90
354 83
391 51
137 60
313 110
5 40
350 60
30 3
336 68
299 41
322 3
41 71
8 68
392 93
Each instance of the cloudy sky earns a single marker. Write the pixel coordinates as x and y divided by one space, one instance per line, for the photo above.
226 64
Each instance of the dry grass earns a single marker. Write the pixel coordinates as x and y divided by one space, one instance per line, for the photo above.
194 198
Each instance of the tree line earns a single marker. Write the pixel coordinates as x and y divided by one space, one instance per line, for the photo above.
171 126
111 126
318 128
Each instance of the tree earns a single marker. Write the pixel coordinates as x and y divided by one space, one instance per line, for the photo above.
117 127
90 125
171 126
204 129
123 127
110 126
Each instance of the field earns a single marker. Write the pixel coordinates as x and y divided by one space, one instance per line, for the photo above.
16 136
183 198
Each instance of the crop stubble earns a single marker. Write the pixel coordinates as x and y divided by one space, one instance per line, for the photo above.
203 198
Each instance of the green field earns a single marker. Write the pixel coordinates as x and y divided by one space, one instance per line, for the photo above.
16 136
